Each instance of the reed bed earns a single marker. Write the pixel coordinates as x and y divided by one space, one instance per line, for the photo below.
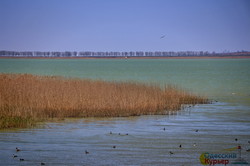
26 99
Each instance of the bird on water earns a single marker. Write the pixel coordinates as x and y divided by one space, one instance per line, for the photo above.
14 156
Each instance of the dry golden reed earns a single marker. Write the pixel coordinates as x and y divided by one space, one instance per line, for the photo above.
26 98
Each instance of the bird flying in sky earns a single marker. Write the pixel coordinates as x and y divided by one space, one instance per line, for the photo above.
162 36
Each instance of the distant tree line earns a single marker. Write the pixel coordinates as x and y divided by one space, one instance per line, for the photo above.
4 53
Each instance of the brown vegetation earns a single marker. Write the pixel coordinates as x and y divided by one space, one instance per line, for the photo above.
25 99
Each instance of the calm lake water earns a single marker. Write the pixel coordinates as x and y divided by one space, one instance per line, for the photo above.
144 140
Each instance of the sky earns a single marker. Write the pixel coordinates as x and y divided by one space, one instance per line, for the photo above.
125 25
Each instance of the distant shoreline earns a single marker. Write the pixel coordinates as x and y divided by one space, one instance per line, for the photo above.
133 57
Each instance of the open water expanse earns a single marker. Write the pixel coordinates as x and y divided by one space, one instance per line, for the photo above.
215 129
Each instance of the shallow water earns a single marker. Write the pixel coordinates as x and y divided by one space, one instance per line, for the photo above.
147 143
142 140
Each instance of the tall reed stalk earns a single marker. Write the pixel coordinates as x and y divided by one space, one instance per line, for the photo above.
25 99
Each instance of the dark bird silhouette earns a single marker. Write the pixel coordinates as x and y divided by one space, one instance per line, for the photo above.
21 159
42 163
17 149
236 139
162 36
196 130
114 147
164 128
170 152
180 146
110 132
86 152
14 156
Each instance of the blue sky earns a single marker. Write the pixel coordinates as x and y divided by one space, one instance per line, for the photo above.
125 25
